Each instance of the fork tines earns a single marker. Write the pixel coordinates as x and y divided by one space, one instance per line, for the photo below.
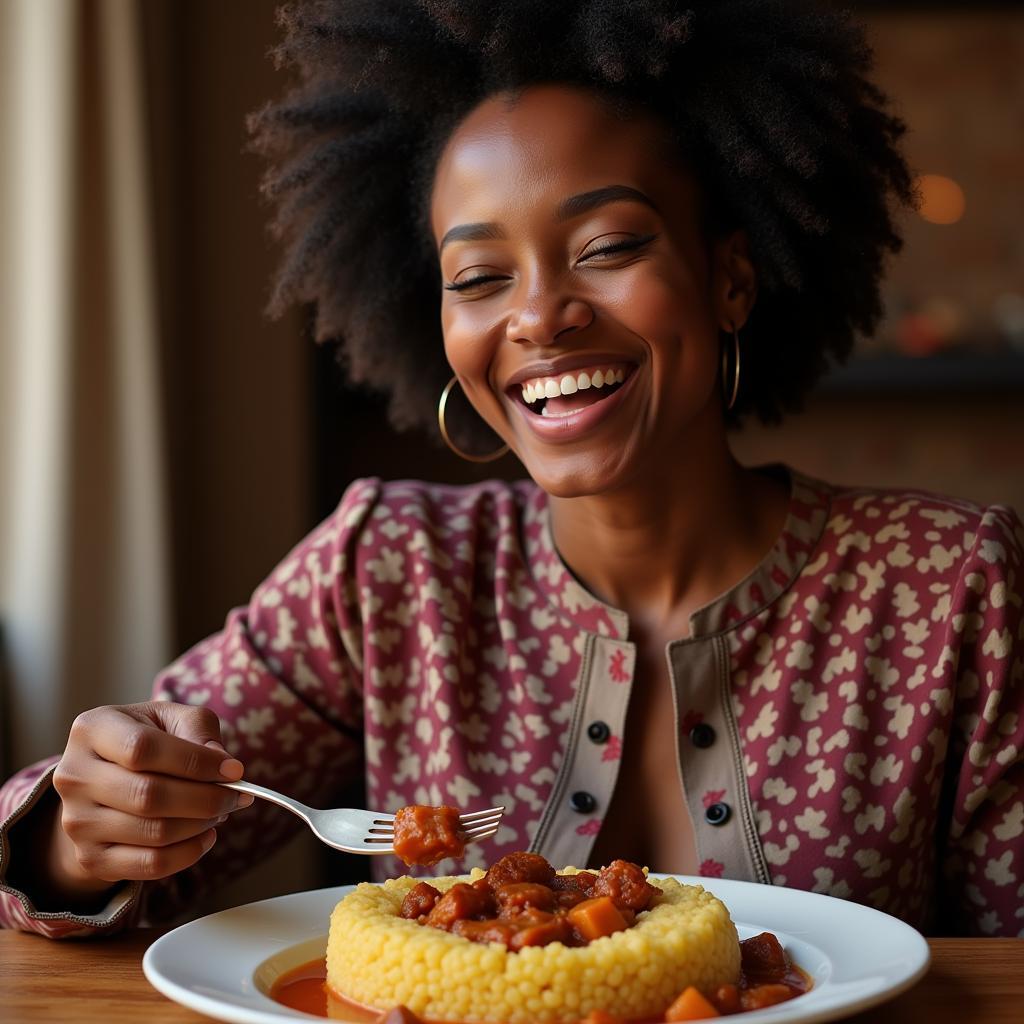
474 826
481 824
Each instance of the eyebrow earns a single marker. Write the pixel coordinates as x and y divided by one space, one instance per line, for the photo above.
587 201
574 206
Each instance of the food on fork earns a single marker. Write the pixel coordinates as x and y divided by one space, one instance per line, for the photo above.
522 943
426 835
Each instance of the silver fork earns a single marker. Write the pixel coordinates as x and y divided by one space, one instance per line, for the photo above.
358 831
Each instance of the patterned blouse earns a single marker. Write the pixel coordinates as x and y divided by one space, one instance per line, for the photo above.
850 716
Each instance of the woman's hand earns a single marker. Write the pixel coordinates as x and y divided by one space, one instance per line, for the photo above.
138 795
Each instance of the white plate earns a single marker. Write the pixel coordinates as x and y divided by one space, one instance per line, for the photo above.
224 965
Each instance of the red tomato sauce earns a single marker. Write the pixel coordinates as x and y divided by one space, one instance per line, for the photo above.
305 988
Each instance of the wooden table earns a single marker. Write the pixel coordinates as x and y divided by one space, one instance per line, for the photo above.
980 981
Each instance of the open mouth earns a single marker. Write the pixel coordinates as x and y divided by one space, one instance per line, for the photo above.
571 392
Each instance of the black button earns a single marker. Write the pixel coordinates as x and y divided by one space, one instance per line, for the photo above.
717 814
582 802
598 732
702 735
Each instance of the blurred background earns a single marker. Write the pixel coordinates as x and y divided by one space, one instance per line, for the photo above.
163 444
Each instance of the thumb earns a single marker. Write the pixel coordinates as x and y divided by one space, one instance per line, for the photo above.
196 725
231 768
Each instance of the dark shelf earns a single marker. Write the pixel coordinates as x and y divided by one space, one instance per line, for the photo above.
892 374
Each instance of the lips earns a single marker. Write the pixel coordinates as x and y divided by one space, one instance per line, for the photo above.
569 420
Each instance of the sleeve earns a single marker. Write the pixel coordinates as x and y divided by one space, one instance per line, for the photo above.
982 869
284 676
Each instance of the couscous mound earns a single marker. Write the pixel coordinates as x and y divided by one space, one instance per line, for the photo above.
380 959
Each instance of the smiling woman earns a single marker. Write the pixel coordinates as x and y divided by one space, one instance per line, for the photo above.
570 274
623 226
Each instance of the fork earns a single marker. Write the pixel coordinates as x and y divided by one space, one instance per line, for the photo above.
357 831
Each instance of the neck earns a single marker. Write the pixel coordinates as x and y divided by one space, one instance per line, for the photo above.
671 541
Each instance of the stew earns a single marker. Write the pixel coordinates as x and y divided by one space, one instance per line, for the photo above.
521 901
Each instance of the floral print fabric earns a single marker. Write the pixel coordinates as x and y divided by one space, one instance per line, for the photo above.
866 682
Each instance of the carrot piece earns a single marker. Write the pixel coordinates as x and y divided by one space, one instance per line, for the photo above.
597 917
601 1017
690 1005
760 996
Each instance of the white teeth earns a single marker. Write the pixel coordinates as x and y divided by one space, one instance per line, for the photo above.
570 384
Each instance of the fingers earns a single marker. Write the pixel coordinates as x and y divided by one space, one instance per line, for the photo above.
107 827
120 862
147 795
134 743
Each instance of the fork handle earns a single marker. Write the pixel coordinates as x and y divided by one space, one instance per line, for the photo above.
301 810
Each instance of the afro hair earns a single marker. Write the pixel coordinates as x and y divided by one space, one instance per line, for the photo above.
769 100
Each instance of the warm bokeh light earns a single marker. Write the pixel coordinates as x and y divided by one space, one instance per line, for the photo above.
942 199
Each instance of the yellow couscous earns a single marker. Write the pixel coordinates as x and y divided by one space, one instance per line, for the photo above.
379 959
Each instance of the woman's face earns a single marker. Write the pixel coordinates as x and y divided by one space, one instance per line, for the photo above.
574 268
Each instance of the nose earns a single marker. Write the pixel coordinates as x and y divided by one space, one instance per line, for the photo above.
545 314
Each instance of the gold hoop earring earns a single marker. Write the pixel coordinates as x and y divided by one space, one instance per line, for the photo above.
448 441
736 373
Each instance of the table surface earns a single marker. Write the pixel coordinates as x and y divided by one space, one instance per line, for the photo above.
976 980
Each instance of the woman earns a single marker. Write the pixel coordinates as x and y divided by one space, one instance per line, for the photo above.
639 222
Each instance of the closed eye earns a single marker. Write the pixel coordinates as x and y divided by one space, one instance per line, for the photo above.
459 286
627 245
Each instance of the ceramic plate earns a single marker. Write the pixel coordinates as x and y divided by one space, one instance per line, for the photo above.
224 965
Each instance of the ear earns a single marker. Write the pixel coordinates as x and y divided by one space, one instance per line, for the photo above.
734 283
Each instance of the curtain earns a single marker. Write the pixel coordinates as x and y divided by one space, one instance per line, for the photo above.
84 605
